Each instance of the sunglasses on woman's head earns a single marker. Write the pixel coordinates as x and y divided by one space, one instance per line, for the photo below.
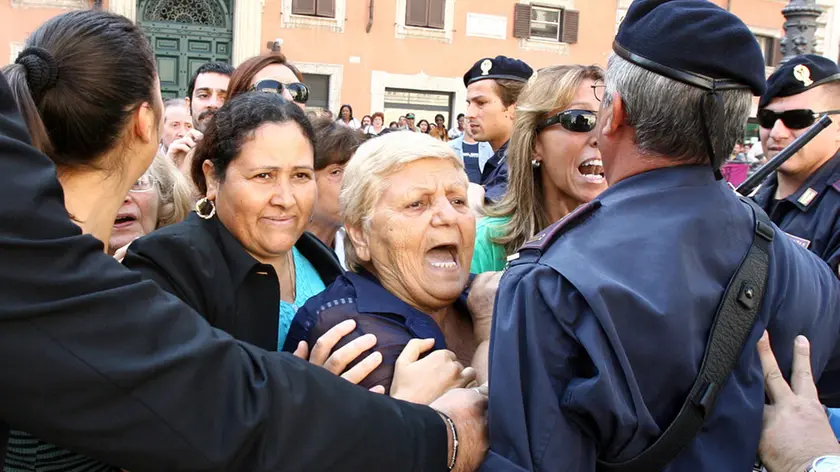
298 91
793 119
576 121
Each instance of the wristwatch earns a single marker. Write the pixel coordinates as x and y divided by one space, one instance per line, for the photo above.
825 464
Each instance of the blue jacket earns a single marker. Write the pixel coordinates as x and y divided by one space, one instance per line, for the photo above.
811 216
494 177
601 324
362 297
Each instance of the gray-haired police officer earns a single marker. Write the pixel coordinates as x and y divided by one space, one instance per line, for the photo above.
603 320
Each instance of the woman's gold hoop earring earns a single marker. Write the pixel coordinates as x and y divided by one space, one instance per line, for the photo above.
201 208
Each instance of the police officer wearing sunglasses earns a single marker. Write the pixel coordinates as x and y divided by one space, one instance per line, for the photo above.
803 198
602 320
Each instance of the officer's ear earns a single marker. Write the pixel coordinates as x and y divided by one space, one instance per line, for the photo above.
612 115
360 242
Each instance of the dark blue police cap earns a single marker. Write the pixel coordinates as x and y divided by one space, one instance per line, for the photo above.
501 67
799 74
691 41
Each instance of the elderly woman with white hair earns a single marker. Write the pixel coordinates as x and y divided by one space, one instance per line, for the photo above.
409 243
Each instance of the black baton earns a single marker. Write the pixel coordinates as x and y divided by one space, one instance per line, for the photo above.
755 180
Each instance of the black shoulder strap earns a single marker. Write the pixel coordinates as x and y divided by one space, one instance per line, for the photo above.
732 325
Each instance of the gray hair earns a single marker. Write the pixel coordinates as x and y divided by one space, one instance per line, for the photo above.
175 193
175 102
365 177
666 114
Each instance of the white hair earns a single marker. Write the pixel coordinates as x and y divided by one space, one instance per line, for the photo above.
365 177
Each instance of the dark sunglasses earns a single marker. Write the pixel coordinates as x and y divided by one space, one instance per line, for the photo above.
298 91
793 119
577 121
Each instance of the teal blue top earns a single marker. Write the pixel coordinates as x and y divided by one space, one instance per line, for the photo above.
307 284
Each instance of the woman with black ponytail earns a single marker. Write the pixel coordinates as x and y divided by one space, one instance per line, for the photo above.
87 87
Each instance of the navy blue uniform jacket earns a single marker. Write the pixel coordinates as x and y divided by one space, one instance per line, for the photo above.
494 178
812 214
97 360
601 324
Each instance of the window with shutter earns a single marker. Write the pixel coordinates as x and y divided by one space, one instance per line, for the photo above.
777 52
437 11
545 23
319 90
521 20
770 48
303 7
417 13
325 8
571 21
321 8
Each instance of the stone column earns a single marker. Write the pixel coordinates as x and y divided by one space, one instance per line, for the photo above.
126 8
800 27
247 29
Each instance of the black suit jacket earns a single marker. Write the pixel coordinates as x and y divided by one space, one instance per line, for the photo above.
202 263
100 361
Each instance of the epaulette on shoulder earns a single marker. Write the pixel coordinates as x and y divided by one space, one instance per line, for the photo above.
835 181
545 237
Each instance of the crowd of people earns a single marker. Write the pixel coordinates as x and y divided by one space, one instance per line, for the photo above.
231 281
374 125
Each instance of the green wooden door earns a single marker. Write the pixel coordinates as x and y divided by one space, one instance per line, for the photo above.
186 34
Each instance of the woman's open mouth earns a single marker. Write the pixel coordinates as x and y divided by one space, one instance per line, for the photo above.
444 256
123 221
592 170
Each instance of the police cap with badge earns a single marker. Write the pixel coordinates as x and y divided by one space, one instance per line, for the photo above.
798 75
499 68
661 36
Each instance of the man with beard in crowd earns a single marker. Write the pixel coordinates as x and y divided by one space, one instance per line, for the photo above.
206 93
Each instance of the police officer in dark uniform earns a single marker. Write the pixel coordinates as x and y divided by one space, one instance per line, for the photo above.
493 87
602 320
803 198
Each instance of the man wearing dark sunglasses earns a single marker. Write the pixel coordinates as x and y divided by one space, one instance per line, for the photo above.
803 198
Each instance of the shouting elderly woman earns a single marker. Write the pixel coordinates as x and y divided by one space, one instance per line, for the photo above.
410 236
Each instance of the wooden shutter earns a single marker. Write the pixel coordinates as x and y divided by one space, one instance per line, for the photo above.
416 12
437 12
571 21
521 20
777 52
325 8
303 7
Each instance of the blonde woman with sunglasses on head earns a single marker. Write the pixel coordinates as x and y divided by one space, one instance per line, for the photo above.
555 165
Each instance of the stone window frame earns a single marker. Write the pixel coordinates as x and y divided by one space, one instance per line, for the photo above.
336 75
381 80
445 35
289 20
547 45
